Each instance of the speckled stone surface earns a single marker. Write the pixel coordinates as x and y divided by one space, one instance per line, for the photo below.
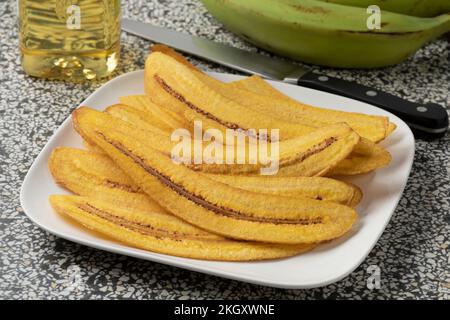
413 253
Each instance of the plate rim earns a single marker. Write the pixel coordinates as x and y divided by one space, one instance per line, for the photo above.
168 259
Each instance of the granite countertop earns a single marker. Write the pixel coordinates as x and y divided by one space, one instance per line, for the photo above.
412 254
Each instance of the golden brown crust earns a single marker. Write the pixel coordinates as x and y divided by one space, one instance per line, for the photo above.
317 188
153 233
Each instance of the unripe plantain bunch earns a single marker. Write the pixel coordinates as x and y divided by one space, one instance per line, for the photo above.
336 32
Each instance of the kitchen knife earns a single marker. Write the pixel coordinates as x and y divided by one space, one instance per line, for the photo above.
429 120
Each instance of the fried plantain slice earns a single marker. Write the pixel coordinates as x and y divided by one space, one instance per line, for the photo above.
319 159
93 174
285 108
361 123
311 155
319 188
158 233
215 206
365 157
178 87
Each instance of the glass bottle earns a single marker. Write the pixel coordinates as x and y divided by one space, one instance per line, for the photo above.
69 39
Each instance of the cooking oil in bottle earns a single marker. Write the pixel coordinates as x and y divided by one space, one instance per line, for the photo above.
69 39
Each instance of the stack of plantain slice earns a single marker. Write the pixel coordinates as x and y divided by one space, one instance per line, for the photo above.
127 185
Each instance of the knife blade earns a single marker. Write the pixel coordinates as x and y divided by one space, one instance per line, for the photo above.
427 120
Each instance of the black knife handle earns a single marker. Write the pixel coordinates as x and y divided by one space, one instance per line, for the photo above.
429 120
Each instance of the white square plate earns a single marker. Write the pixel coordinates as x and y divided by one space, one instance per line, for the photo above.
326 264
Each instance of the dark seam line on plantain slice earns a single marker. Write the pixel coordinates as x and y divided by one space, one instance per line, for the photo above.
117 185
296 159
310 152
189 104
146 230
199 200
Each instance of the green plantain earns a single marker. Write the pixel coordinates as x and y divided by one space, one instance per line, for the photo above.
326 33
